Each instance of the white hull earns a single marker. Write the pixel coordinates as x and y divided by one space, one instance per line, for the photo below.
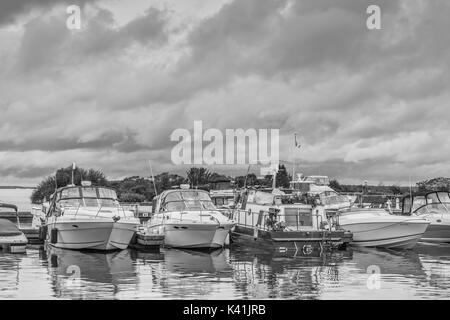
195 236
94 235
388 232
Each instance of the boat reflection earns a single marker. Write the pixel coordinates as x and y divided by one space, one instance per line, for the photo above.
198 262
389 262
89 275
435 261
260 274
186 274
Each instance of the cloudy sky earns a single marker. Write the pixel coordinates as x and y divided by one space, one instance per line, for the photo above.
368 104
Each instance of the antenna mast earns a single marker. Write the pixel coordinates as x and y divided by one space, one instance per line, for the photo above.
153 177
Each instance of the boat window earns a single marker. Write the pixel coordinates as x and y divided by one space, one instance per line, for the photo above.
70 193
108 202
188 200
195 195
173 196
91 202
406 205
418 202
107 193
174 206
70 202
89 192
432 198
444 197
208 205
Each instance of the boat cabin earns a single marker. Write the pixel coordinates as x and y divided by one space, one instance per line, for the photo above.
83 196
182 200
310 184
223 198
275 210
431 202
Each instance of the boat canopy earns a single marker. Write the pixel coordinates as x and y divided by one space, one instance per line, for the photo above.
437 201
86 196
9 206
186 200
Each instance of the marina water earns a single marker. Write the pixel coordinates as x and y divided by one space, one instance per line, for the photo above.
232 273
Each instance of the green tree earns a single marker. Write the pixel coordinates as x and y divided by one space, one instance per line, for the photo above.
198 176
435 184
63 178
282 178
334 184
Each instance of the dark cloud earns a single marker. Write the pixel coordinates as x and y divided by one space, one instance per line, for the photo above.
110 140
11 9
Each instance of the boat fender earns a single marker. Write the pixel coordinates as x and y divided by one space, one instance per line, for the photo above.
255 233
54 236
42 232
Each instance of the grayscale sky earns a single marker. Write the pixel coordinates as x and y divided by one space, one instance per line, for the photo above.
368 104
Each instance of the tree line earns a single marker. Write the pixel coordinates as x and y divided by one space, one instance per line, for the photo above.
140 189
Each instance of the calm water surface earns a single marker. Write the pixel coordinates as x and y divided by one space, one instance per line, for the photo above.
235 273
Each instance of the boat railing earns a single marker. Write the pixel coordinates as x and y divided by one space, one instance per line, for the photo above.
263 220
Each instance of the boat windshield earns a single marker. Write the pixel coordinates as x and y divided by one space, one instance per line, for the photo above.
333 198
187 200
436 202
87 197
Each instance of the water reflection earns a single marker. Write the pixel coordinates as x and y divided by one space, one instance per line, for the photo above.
235 273
89 275
260 274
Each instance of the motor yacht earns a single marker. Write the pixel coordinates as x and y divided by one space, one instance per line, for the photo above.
435 207
189 219
374 227
12 238
88 217
371 227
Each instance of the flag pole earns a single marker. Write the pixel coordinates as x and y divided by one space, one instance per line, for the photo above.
73 169
153 177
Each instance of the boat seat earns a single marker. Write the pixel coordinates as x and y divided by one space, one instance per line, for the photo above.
8 229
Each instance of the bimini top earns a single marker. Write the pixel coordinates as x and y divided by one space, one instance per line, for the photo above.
89 196
184 200
435 201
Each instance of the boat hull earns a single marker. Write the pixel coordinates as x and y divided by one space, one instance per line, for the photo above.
387 234
196 235
290 243
93 235
437 233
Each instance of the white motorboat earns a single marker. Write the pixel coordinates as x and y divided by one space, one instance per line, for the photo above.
435 207
189 219
379 228
11 238
88 217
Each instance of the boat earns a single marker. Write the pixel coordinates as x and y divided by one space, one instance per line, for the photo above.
188 219
435 207
286 223
88 217
371 227
11 238
374 227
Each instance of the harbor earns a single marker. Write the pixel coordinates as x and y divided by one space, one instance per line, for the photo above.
232 273
306 241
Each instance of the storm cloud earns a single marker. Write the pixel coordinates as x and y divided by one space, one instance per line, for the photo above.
367 104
